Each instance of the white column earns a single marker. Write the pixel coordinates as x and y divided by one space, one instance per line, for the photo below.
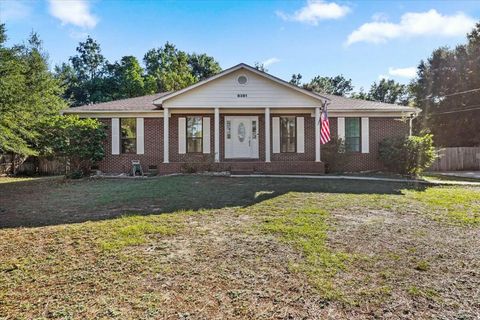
166 115
267 134
317 134
217 134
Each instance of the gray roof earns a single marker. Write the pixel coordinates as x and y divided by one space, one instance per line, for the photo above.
146 103
131 104
338 103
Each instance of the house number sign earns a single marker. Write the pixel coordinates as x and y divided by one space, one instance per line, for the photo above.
241 95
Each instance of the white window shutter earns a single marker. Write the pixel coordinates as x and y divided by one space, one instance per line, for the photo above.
206 135
140 136
276 134
300 135
182 135
115 136
341 128
365 136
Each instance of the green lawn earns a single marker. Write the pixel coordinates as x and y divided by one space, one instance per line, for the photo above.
194 247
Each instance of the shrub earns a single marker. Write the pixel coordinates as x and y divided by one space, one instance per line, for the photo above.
334 155
80 141
407 155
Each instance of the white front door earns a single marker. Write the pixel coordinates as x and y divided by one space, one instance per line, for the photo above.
241 137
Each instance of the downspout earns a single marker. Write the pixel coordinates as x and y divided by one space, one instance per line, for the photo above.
412 116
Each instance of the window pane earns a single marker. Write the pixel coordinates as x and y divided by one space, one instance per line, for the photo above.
352 127
352 134
194 144
229 129
128 135
352 144
128 127
129 145
194 127
287 134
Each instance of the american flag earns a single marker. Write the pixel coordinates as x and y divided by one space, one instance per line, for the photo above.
325 127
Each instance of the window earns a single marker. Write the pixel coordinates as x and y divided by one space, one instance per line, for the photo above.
128 135
229 129
288 131
242 79
352 134
194 134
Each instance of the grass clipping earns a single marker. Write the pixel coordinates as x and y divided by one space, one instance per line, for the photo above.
306 230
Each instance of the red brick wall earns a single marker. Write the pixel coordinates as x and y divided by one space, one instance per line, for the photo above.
379 129
123 162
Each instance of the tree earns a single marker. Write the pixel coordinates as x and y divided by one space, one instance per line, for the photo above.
125 79
29 93
203 66
446 89
296 79
79 141
362 95
170 68
338 85
260 66
388 91
86 76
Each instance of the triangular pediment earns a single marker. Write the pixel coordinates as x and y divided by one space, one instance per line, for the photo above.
241 86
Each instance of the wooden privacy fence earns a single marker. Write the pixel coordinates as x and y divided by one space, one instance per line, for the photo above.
33 165
458 158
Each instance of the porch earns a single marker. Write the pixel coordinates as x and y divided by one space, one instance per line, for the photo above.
248 139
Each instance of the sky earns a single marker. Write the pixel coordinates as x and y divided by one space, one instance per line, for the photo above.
363 40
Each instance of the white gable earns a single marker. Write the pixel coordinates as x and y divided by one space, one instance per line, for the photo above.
225 91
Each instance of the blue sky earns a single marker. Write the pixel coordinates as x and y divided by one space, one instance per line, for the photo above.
363 40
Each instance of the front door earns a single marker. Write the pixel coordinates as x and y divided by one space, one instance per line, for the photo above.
241 137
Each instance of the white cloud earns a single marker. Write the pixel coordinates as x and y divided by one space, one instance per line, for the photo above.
409 72
75 12
316 10
14 10
412 24
270 61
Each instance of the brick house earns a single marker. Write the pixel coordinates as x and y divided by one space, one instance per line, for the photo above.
241 119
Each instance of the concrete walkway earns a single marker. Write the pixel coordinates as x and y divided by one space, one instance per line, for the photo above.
328 177
462 174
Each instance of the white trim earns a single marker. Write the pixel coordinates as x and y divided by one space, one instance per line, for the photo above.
300 135
365 136
317 135
182 135
115 136
140 136
160 100
341 128
276 134
165 135
371 113
206 134
267 135
216 132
